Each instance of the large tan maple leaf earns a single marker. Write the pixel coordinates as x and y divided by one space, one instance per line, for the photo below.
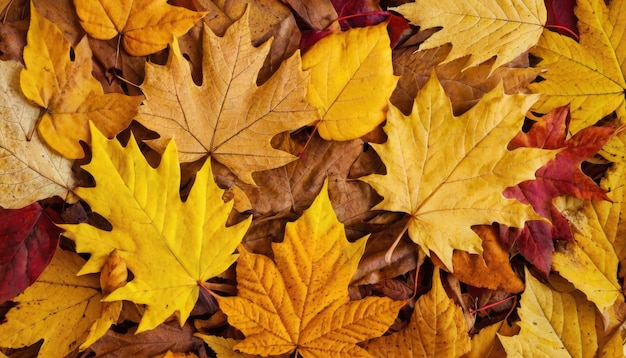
449 172
228 117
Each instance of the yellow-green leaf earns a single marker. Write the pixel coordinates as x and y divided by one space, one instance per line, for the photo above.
553 324
437 329
171 247
448 172
351 81
479 28
58 308
299 300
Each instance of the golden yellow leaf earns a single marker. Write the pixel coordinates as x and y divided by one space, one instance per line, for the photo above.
171 247
146 26
589 74
351 81
60 81
614 220
437 329
479 28
299 300
30 171
58 308
113 275
553 324
228 117
449 172
589 262
486 343
223 347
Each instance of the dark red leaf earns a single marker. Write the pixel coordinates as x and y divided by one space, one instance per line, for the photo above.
358 13
533 242
560 176
28 240
561 17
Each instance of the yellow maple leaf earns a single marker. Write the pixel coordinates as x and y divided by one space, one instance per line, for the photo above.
170 246
479 28
60 81
223 347
58 308
228 117
589 261
30 171
589 74
553 324
486 344
299 300
146 26
351 81
437 329
449 172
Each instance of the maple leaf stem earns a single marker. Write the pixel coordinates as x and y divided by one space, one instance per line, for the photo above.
301 154
395 243
125 80
493 304
566 29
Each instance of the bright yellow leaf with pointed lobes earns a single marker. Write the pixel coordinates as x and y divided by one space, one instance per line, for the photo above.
553 324
589 261
30 170
171 247
58 308
299 300
449 172
437 329
146 26
479 28
228 117
589 74
351 81
63 85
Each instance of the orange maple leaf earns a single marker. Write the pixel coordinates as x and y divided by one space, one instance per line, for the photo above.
146 26
299 300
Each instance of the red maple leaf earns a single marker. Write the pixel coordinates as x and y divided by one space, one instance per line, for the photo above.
28 240
560 176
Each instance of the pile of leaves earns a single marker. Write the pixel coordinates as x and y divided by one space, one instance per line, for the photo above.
312 178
